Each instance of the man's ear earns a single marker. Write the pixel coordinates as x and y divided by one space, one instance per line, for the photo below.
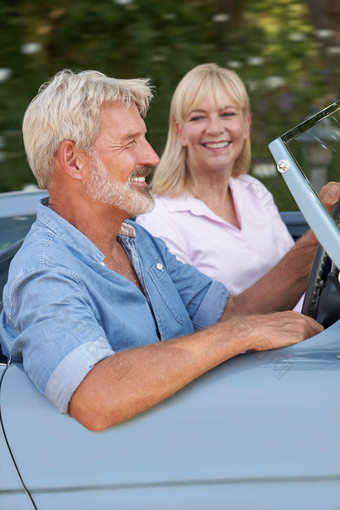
72 160
181 134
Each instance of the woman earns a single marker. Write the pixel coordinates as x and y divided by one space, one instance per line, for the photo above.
208 210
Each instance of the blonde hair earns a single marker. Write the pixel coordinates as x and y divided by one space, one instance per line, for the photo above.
67 108
172 175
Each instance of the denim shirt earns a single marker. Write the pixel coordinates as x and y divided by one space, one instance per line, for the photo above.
65 310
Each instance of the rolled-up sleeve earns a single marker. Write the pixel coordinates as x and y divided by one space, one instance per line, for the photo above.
56 332
212 306
72 369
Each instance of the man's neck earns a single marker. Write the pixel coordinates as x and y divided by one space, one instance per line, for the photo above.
99 222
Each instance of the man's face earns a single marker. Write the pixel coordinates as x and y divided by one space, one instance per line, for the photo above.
120 161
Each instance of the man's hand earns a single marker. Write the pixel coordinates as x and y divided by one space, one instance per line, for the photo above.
330 194
272 331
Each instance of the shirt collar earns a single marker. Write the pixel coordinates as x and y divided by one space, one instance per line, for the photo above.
71 234
187 202
127 230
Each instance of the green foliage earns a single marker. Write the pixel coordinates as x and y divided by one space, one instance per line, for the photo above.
267 43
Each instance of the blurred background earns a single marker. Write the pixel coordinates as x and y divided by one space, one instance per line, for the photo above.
287 52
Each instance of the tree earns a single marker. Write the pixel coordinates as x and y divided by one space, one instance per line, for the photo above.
325 15
267 43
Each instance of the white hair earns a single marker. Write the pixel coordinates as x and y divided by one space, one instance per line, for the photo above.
67 108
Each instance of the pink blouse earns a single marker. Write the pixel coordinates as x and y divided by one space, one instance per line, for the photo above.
236 257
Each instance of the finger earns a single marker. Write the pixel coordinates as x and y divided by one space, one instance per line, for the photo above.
313 326
330 194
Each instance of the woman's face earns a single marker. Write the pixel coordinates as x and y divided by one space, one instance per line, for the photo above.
214 137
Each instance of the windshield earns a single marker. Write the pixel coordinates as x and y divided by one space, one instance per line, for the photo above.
315 146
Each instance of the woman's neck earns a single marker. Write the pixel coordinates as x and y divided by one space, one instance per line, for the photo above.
219 198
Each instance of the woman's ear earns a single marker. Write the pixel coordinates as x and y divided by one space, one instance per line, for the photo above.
181 135
72 160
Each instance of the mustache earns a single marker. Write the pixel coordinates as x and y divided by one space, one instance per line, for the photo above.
141 172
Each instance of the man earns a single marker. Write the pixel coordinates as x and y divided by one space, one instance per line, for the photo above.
91 297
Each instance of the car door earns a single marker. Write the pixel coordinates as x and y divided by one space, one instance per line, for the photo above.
260 431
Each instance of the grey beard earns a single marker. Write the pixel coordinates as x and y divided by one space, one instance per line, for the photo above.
105 189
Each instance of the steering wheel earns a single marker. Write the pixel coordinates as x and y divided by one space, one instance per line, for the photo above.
322 297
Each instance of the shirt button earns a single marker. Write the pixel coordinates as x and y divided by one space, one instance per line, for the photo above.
159 266
102 263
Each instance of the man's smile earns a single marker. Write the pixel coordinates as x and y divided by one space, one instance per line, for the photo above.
137 179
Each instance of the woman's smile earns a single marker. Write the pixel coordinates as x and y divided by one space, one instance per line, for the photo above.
214 136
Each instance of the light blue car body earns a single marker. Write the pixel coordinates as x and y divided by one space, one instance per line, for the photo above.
261 431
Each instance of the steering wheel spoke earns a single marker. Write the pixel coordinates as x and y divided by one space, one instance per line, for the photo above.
322 297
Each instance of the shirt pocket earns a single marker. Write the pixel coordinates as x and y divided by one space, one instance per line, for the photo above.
168 292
